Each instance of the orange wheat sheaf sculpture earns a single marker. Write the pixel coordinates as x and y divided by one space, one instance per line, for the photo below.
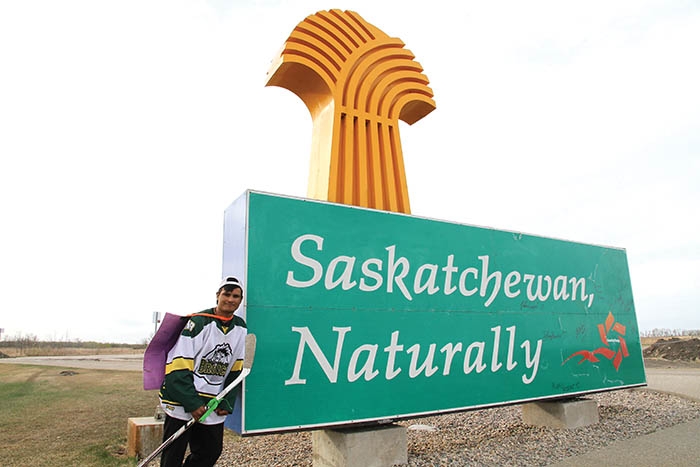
357 82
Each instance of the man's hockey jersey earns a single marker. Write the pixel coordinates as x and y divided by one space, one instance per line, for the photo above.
207 356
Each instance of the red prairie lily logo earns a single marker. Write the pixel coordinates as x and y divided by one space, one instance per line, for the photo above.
604 331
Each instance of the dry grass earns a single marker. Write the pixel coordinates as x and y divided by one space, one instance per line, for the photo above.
52 420
648 340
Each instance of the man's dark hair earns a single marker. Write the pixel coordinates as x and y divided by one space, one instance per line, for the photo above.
231 288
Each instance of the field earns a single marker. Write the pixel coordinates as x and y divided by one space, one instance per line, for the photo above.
53 419
54 416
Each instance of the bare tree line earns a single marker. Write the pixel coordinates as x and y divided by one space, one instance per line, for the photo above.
27 342
666 332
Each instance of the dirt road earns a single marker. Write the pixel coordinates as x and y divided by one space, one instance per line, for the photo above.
126 362
675 377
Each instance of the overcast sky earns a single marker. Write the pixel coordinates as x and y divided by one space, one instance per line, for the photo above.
128 127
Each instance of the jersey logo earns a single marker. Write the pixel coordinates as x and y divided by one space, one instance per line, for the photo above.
216 362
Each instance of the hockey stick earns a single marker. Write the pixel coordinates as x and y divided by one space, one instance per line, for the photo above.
213 403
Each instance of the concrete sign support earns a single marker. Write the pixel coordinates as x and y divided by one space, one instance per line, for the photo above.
572 413
376 446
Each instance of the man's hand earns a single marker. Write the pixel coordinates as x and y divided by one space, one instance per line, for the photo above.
222 412
197 413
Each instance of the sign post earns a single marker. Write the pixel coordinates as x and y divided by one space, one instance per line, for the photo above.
156 320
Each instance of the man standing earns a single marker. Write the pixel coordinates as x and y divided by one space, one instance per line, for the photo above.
207 356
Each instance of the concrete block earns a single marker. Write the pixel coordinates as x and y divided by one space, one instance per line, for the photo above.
570 413
375 446
144 435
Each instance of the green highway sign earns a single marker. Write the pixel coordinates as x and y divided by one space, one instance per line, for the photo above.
365 315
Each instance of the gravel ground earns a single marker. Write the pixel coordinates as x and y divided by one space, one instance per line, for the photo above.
490 437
